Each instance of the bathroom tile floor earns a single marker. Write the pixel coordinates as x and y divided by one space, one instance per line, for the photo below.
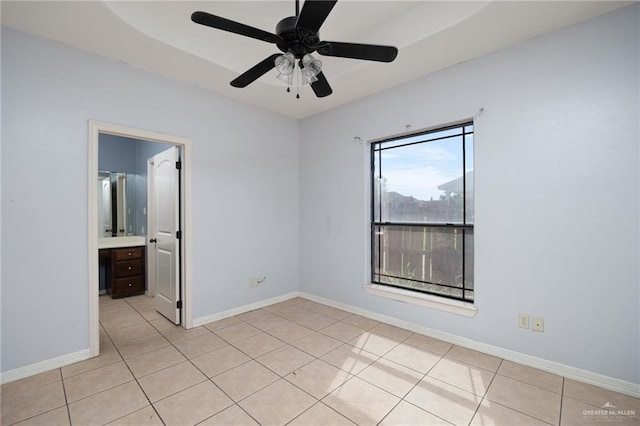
296 362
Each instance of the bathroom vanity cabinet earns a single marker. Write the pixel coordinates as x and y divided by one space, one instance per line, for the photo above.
124 270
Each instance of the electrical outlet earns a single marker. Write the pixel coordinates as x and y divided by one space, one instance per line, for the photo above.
254 282
538 324
523 320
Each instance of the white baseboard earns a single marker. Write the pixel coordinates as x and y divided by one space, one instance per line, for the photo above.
242 309
43 366
567 371
63 361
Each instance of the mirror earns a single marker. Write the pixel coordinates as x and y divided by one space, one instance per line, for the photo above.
117 204
104 205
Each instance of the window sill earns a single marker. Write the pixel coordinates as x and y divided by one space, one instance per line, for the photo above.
458 307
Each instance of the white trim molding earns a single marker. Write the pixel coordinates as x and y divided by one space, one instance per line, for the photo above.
44 366
96 128
440 303
606 382
243 309
616 385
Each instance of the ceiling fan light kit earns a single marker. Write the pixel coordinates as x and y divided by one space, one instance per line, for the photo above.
297 37
285 64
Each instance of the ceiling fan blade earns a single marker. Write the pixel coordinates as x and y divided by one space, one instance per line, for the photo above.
321 87
209 20
314 13
369 52
255 72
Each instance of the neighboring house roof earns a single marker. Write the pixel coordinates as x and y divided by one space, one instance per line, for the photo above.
456 186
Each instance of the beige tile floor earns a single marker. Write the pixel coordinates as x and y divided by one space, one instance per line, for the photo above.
300 363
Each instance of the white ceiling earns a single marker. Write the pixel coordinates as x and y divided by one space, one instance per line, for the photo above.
159 36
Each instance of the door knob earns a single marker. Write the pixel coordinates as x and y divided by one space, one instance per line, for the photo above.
153 240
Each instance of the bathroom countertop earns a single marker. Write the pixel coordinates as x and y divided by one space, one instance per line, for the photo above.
115 242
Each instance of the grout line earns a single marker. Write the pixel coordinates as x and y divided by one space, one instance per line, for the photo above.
279 313
484 395
519 412
319 402
531 384
407 392
64 391
418 383
251 358
343 343
561 402
280 377
66 403
187 359
129 368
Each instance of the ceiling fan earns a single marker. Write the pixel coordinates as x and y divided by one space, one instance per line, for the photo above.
297 37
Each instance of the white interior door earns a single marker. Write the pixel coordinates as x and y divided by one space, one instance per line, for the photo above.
167 223
151 229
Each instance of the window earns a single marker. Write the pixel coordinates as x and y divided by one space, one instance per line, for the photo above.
422 212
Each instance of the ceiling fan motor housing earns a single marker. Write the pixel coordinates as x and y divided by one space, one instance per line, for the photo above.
299 41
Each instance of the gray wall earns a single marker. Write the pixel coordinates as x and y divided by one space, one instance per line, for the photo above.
117 154
120 154
245 177
557 189
556 175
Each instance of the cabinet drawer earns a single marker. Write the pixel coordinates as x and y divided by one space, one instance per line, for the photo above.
128 253
127 285
129 268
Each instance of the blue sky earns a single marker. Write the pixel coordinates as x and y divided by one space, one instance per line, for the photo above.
417 170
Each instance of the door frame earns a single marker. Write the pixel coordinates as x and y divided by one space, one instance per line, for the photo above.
95 129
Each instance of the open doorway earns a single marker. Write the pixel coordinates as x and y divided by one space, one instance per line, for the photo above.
180 149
